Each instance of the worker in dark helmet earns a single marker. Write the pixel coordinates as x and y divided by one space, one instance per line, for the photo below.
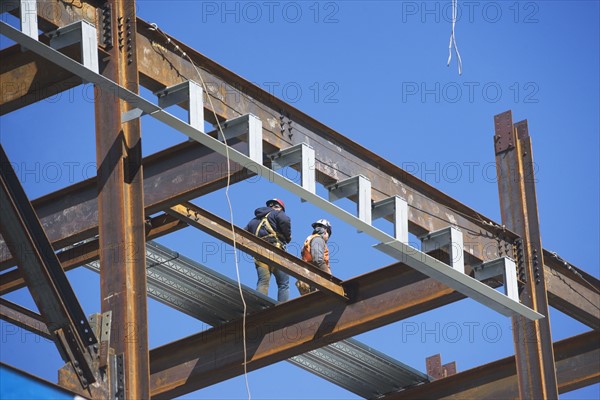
272 224
316 252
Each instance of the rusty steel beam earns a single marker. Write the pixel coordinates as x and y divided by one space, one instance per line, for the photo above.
24 318
516 186
121 211
295 327
44 276
572 291
258 248
26 78
577 363
173 175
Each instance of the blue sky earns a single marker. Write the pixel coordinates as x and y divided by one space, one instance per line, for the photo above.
376 72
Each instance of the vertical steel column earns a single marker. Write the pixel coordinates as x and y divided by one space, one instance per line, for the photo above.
121 207
516 184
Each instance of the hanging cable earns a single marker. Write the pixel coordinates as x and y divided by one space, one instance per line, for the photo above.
220 129
453 38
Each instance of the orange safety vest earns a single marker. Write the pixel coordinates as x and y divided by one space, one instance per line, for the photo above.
307 256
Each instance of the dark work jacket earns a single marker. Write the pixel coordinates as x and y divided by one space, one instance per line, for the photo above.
279 221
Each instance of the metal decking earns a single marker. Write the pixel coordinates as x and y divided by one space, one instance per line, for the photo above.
203 293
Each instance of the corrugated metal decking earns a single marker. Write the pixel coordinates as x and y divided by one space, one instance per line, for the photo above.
203 293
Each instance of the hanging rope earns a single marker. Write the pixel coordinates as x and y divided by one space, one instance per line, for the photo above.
453 38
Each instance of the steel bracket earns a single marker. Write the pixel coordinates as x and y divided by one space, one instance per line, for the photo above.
188 91
450 239
504 138
301 154
78 32
504 267
249 125
76 354
117 377
27 14
398 208
358 185
104 339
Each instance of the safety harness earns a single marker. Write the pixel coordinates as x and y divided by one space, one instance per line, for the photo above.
270 231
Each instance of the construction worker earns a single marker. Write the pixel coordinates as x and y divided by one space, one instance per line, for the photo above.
316 252
272 224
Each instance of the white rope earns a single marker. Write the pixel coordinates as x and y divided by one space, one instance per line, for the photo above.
453 38
154 27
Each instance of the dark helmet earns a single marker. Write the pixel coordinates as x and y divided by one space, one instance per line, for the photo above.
324 223
276 201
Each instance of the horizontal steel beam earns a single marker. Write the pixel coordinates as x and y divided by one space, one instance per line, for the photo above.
179 173
295 327
577 365
24 318
258 248
28 78
572 291
76 256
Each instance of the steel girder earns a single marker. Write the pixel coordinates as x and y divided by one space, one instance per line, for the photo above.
87 251
577 365
24 318
221 229
295 327
577 361
179 173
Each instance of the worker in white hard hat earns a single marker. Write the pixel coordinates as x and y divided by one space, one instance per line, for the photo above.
272 224
316 252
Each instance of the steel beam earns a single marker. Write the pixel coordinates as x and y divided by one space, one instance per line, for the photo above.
382 297
177 174
24 318
256 247
27 78
45 278
516 186
121 212
572 291
577 366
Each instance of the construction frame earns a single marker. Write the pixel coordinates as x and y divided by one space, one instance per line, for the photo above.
105 43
